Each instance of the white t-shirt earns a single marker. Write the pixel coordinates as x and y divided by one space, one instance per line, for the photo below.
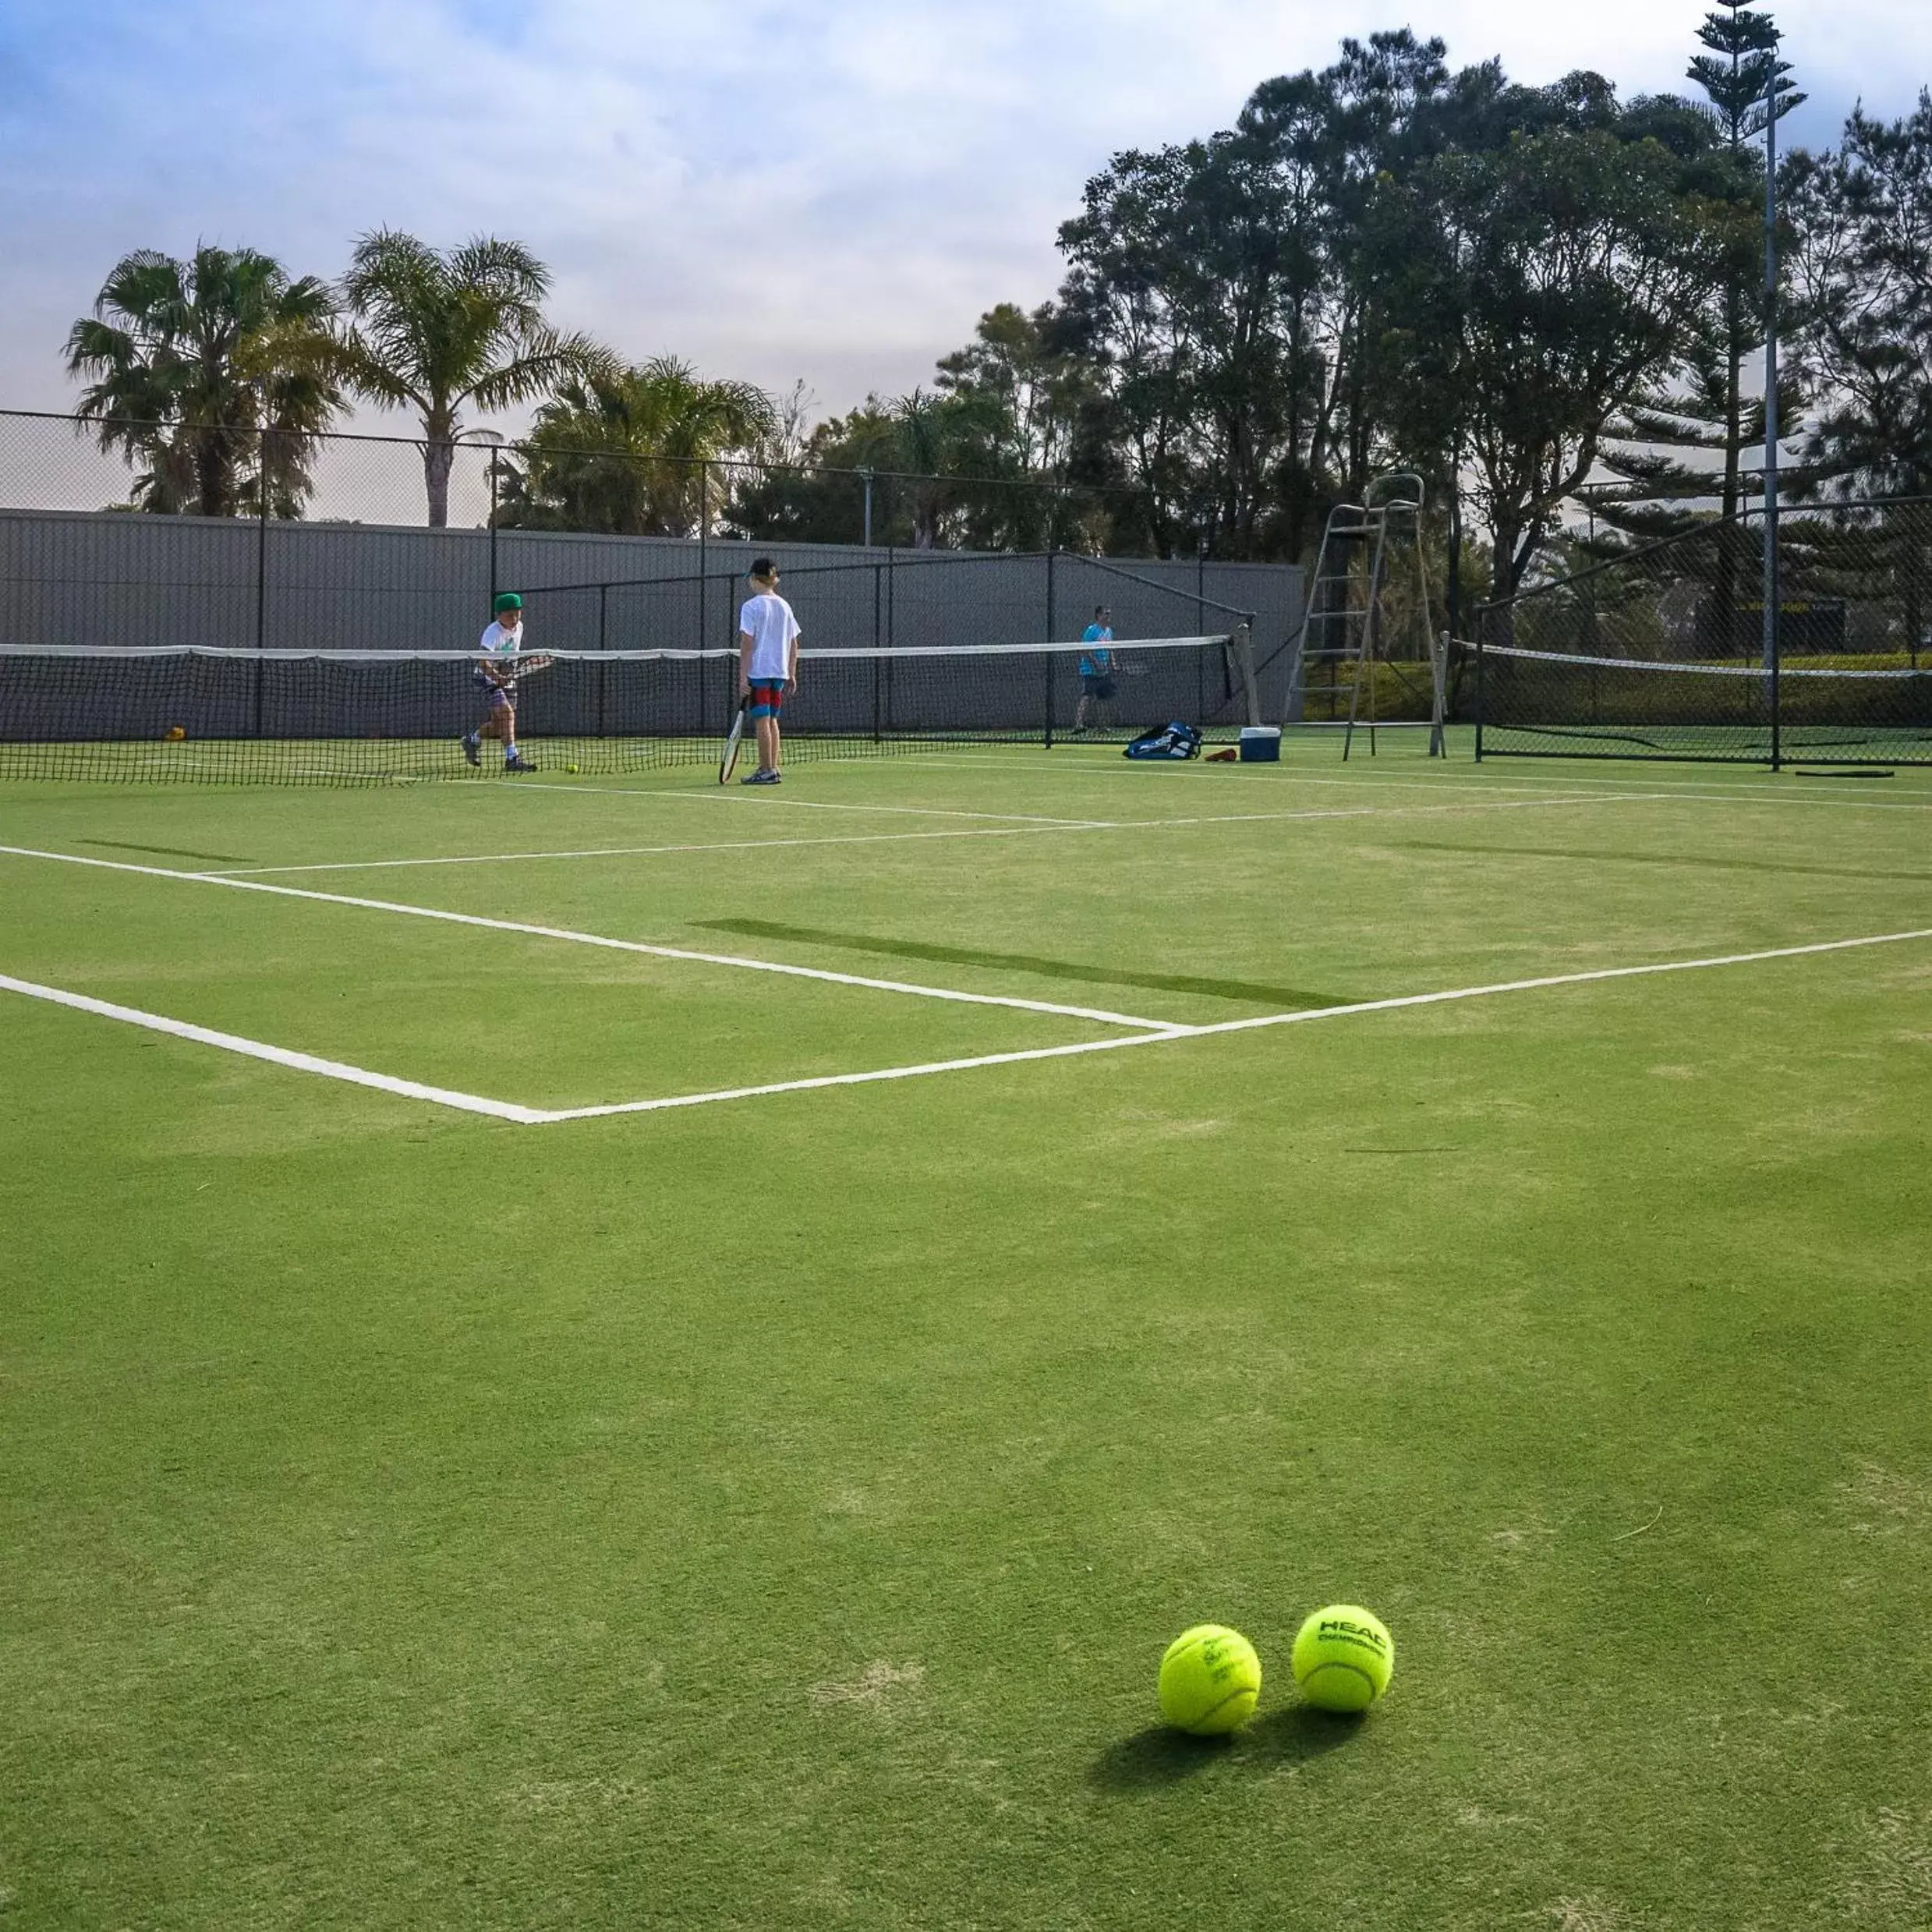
499 643
767 620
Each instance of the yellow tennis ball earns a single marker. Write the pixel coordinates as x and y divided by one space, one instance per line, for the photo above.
572 769
1210 1680
1343 1658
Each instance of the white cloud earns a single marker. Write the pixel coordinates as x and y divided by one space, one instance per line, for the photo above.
834 192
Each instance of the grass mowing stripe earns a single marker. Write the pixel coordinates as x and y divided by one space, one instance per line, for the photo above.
1145 773
766 803
595 939
890 838
1396 1004
646 852
277 1055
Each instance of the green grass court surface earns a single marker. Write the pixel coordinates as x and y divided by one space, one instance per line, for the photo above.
476 1509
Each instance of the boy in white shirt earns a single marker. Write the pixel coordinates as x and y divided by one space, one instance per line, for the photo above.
495 674
767 663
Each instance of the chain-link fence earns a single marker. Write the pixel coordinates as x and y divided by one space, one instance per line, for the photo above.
329 542
1664 651
479 480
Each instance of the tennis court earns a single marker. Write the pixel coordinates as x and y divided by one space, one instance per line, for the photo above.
651 1349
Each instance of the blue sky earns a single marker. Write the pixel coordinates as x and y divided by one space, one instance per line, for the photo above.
831 192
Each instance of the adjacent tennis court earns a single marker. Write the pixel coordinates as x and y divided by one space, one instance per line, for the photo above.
1090 1196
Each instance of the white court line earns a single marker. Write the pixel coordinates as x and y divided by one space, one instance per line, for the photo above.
1109 774
894 838
1099 1015
534 1116
724 795
646 851
1307 1017
277 1055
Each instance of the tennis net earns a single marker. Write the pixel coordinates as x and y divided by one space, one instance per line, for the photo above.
271 716
1562 704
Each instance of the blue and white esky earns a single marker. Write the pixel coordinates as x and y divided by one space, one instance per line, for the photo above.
831 192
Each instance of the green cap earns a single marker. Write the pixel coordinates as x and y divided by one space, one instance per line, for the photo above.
507 600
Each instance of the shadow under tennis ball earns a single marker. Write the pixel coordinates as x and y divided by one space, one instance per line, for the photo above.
1161 1756
1157 1757
1242 989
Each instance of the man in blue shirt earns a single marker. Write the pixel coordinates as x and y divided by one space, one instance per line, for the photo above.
1096 685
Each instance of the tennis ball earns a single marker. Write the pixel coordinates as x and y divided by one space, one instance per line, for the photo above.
175 733
1343 1658
1210 1680
572 769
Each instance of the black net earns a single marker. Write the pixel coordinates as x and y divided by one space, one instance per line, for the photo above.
1662 652
1566 705
350 717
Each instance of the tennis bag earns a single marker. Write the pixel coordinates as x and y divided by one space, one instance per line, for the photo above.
1175 740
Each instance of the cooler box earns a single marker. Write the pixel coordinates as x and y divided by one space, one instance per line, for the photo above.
1261 745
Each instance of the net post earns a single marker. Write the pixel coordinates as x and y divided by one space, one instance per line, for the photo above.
1047 739
1244 658
1479 706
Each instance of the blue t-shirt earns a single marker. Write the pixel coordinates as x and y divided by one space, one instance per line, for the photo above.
1096 663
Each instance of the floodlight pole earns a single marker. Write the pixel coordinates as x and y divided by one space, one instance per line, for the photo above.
1771 653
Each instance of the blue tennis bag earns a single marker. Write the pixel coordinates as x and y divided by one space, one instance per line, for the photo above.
1174 740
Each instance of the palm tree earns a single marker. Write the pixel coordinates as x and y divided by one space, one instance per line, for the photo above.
621 452
435 329
216 373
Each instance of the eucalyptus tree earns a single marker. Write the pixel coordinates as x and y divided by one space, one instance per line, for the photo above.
215 373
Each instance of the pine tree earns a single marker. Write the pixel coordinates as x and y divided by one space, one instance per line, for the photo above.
1704 411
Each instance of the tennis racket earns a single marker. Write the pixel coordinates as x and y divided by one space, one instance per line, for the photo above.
505 672
733 738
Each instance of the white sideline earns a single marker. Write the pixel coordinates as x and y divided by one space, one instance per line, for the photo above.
277 1055
1306 1016
1099 1014
890 838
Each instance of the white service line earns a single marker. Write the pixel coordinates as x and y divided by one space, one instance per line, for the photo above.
1097 1014
646 852
534 1116
766 803
894 838
1108 774
277 1055
1306 1017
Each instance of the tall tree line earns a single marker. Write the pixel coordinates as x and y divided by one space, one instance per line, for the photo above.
1387 262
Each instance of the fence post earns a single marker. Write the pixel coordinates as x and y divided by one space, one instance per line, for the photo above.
1771 614
704 547
877 665
493 527
261 568
1051 551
